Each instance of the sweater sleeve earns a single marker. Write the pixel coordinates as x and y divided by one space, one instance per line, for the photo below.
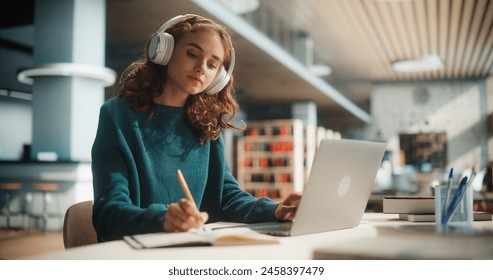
235 204
116 210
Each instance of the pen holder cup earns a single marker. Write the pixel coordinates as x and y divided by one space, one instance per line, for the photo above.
459 208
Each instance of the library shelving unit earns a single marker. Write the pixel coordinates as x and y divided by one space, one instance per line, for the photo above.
271 159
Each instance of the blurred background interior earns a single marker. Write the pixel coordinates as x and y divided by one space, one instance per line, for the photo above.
415 74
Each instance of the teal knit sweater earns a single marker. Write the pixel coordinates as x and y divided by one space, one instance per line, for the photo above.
134 163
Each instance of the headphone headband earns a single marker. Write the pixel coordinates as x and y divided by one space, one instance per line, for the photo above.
174 20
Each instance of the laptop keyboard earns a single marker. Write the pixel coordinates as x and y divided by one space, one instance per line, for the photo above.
277 229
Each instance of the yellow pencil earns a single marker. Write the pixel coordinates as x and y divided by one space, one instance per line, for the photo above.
186 190
184 187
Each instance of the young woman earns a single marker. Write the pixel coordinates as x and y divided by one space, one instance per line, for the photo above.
168 114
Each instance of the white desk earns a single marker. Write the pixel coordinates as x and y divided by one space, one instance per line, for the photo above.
379 236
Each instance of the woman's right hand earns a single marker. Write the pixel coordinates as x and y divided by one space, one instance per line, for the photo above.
183 216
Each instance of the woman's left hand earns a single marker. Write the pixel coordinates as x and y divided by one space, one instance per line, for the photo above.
286 210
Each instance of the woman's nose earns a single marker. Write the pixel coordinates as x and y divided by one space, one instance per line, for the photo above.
199 67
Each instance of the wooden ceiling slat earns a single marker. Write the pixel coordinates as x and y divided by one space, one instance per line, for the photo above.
484 63
385 14
463 36
488 66
355 13
381 32
443 32
432 16
386 42
455 15
422 27
473 36
481 42
421 22
411 26
402 34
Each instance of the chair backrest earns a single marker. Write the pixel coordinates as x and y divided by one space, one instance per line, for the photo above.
77 225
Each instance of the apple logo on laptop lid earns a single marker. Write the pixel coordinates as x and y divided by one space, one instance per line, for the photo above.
344 185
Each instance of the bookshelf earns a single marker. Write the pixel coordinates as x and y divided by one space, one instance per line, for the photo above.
271 158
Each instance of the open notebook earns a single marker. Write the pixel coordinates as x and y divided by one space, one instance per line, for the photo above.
338 188
217 237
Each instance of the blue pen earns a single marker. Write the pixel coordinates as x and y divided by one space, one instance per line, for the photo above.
447 195
455 201
473 175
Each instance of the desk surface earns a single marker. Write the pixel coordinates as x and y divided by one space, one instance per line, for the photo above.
379 236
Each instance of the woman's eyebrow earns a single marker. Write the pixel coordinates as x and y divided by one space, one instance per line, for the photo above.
193 45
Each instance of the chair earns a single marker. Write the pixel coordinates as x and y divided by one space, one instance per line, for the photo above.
47 190
9 188
77 225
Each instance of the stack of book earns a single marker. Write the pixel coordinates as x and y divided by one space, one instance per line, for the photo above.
419 208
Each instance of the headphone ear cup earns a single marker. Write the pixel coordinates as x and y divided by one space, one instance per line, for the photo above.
161 48
168 48
220 81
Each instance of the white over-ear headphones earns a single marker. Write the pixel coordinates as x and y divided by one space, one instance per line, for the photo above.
161 48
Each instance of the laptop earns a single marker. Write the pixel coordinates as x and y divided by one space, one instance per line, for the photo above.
337 191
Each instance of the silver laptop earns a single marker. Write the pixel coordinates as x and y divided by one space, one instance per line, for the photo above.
338 188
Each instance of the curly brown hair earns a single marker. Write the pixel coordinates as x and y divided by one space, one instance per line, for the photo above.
209 115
